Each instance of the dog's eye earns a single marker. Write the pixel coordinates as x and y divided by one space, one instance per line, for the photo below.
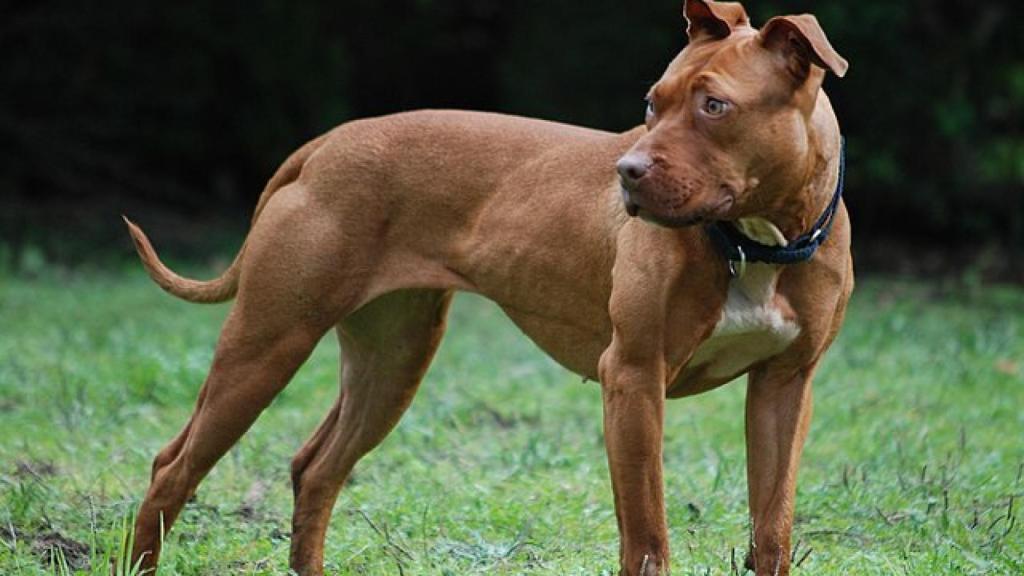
715 108
650 107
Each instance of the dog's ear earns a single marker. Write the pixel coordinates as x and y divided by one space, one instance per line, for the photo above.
713 20
802 42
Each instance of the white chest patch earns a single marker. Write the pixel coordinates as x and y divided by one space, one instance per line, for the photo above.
754 324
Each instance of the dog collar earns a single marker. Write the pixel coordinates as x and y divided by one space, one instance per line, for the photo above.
738 248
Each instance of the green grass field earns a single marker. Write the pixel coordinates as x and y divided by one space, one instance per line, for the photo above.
914 463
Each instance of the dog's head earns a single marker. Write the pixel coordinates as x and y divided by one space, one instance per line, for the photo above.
728 117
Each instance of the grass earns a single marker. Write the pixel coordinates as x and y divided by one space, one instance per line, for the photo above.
914 464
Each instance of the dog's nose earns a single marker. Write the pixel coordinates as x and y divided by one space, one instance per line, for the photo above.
633 167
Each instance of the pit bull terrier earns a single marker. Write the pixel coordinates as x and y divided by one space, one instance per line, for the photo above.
666 261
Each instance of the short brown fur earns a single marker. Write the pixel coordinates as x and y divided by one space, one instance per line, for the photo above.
370 229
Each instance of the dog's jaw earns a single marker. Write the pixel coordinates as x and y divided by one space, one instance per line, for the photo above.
702 216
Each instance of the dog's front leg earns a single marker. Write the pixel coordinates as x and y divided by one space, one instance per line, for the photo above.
634 400
778 416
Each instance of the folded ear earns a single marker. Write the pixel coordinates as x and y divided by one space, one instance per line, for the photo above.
713 20
802 41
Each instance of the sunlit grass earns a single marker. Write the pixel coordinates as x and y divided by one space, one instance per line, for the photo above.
914 464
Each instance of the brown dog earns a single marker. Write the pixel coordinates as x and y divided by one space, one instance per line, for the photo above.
372 227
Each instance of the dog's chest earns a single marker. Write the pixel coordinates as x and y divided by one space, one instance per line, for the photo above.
756 324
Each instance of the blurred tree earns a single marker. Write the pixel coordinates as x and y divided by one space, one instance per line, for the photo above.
410 54
184 106
187 107
935 126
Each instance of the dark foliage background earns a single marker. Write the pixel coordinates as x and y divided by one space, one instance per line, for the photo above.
177 112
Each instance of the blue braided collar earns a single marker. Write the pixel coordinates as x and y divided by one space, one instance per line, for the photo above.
737 247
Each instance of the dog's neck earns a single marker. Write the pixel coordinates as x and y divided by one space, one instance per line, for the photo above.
806 201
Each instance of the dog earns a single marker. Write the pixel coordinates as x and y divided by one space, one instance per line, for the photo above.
708 243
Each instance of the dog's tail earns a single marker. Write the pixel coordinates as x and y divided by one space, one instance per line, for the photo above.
226 286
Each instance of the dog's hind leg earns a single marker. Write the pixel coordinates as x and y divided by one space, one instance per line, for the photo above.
293 288
386 348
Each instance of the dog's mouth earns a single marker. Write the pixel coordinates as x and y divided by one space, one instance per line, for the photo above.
632 208
700 216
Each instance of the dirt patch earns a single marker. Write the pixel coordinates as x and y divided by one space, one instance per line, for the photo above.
250 510
35 469
49 546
